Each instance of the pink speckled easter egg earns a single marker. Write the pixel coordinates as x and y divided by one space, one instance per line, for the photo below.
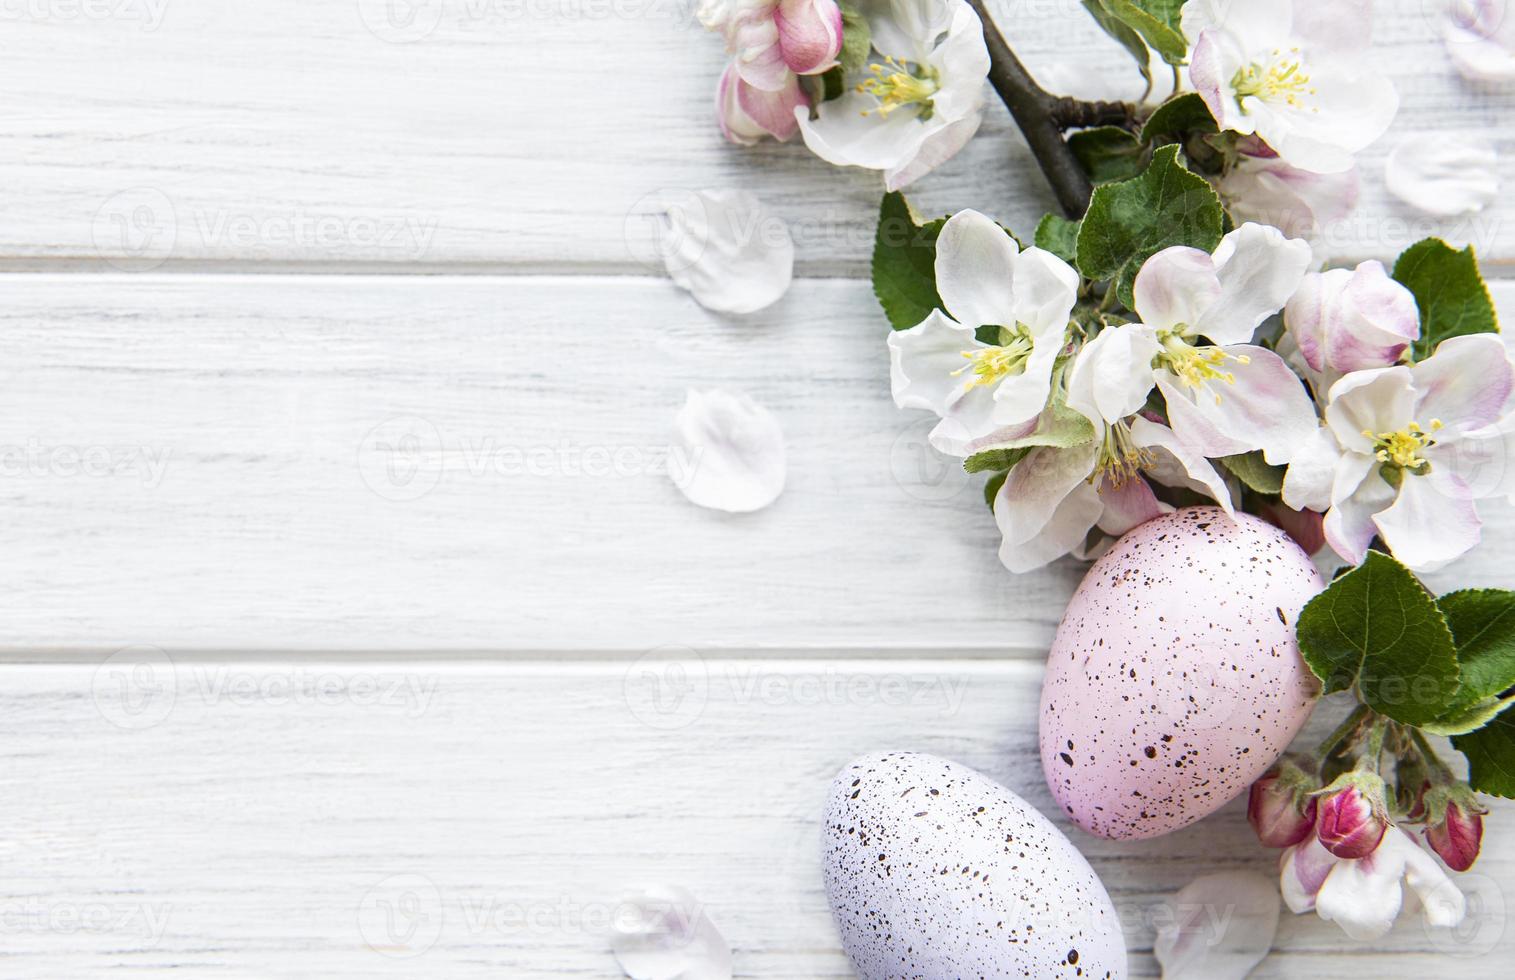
1174 681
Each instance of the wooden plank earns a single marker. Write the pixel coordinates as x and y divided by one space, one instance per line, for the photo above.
254 824
512 133
196 463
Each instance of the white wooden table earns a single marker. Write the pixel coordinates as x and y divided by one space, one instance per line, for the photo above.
434 722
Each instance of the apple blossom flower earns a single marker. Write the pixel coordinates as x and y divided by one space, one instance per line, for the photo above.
981 389
1401 452
1262 187
1364 896
770 39
1294 72
1346 320
1352 815
920 100
1198 312
1280 806
1454 825
1480 38
748 113
1054 498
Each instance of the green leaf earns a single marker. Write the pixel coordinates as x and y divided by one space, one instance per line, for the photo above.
1129 222
1157 21
1256 472
1108 153
904 263
1449 290
1377 627
1123 33
857 38
991 489
1491 757
1177 118
1058 235
1483 625
999 458
1469 719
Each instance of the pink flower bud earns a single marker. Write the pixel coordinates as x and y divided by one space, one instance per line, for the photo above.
747 113
1280 807
1352 817
1454 825
1352 320
810 34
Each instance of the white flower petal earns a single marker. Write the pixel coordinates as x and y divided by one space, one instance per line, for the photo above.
1264 408
970 423
935 149
1064 531
1176 286
729 251
1370 401
1112 375
1480 38
1484 459
1432 523
1464 385
922 361
1349 525
975 270
1302 204
1046 290
1129 505
1021 397
1258 269
1312 472
1178 465
730 452
1444 174
1364 897
1037 487
1442 902
1304 869
1218 927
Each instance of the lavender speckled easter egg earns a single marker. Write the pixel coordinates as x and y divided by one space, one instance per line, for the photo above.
935 872
1174 680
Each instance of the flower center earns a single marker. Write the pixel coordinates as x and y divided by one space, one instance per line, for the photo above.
993 364
1196 366
1120 459
1403 449
898 83
1284 79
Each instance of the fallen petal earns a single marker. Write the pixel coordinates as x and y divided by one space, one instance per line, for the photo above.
1444 175
728 250
663 933
729 453
1220 927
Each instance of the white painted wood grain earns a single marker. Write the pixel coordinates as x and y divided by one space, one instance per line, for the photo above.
248 822
261 494
519 133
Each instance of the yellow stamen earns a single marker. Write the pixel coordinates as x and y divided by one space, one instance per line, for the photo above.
1197 366
1403 449
992 364
1120 459
897 83
1284 79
